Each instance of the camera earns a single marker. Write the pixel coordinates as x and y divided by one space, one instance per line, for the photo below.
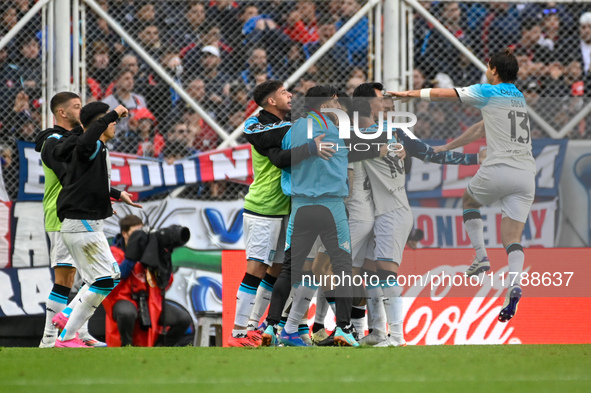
154 249
173 236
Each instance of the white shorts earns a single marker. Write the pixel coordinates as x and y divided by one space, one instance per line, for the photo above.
361 237
514 188
391 233
92 254
265 238
58 254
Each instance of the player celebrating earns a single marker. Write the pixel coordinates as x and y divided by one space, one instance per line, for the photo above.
507 174
65 107
82 205
266 208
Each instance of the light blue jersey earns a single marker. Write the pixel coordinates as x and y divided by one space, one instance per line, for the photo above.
508 135
316 177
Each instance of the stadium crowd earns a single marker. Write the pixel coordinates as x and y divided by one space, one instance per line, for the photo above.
220 50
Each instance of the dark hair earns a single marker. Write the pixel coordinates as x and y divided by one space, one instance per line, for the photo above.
129 221
264 90
92 112
122 71
506 64
60 99
345 101
367 89
529 24
318 95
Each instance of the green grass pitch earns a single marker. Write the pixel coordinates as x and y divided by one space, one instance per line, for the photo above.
505 368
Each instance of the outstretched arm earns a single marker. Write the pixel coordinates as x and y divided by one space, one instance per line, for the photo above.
473 133
427 94
424 152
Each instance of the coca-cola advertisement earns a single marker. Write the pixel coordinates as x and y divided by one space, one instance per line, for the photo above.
444 306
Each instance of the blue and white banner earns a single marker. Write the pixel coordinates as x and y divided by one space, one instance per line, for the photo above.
143 176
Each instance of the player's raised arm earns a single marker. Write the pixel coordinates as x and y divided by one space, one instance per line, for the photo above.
427 94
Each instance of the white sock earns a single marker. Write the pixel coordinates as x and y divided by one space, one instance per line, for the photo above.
375 308
475 229
299 307
56 303
287 306
516 260
321 307
68 310
394 308
82 312
245 296
261 302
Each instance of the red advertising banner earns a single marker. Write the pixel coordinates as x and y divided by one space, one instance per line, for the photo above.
442 306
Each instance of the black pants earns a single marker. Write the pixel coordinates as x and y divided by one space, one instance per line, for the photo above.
125 314
309 222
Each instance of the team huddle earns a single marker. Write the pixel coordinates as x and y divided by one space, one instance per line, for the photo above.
345 213
315 209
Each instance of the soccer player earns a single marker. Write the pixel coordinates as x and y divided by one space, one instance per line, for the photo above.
393 217
508 173
65 107
82 205
266 208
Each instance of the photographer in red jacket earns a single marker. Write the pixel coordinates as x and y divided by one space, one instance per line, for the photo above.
134 308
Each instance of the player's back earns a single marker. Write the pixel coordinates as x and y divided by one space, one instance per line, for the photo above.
506 122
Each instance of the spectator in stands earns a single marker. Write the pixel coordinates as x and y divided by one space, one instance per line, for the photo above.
356 39
235 36
436 53
531 32
495 26
222 13
99 30
128 62
29 62
352 84
145 15
579 48
8 17
149 39
180 141
9 82
99 72
336 60
190 31
205 137
306 82
217 85
293 60
141 137
423 128
301 23
257 63
196 89
159 94
124 323
123 95
238 99
550 28
465 73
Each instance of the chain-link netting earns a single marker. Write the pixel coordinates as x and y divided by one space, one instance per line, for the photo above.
21 104
218 51
552 43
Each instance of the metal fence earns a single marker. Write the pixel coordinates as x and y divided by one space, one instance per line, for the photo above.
218 51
